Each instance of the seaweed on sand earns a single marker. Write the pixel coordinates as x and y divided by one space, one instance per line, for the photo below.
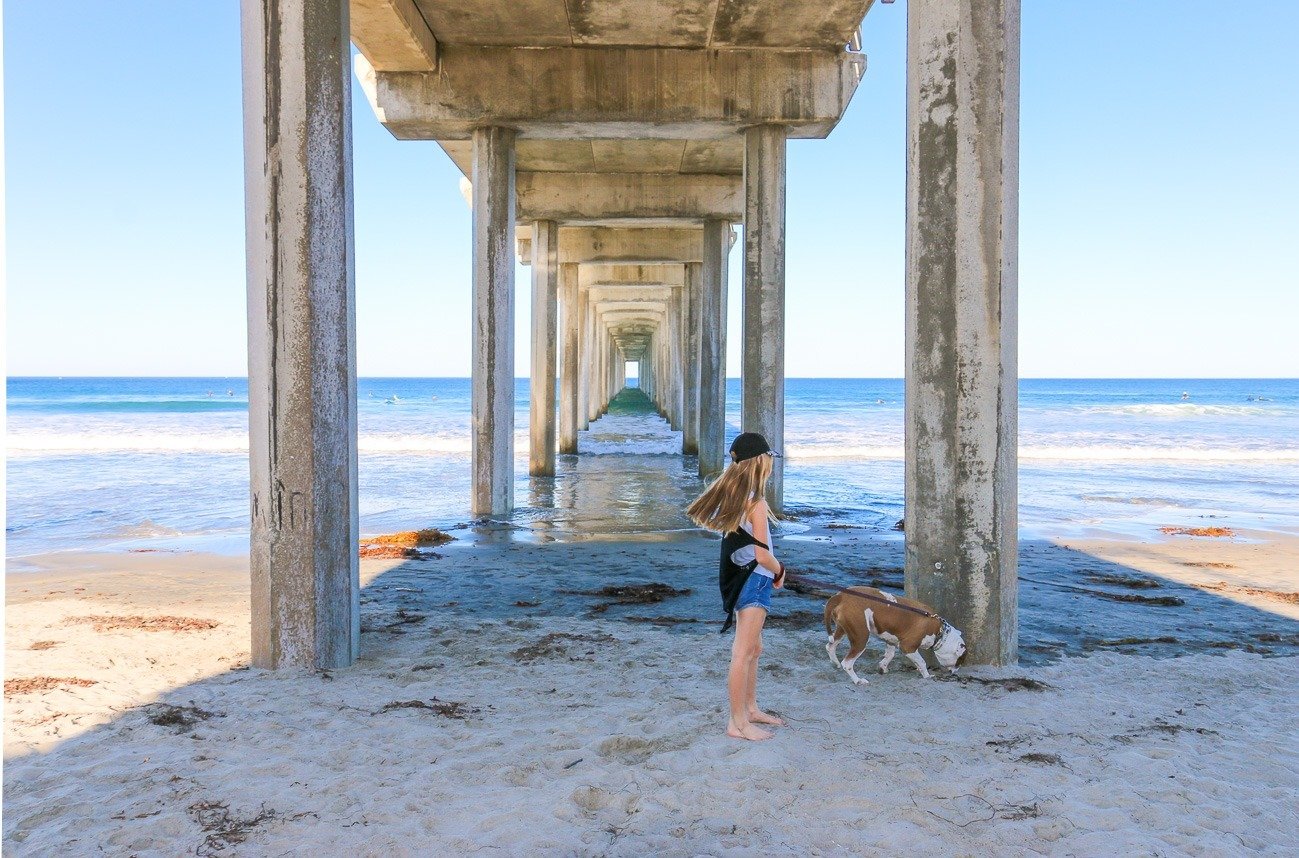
557 645
183 718
634 594
456 709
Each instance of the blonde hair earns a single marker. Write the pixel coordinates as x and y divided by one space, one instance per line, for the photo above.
726 503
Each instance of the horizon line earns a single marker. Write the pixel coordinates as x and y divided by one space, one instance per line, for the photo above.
730 377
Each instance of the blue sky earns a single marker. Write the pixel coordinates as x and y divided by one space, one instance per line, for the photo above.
1159 201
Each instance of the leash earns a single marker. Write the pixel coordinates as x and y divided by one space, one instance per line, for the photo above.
826 585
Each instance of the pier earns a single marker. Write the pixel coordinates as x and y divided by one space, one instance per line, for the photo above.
615 149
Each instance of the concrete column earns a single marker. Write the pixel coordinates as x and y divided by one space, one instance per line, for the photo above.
301 333
712 348
583 361
675 360
545 288
690 351
592 376
762 402
568 381
493 311
961 317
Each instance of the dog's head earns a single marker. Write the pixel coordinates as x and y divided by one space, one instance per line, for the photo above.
950 647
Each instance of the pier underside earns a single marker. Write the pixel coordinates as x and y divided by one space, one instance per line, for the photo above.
613 147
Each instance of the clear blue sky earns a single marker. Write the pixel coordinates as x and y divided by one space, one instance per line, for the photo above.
1159 201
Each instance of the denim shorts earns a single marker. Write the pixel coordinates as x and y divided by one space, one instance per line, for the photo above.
756 593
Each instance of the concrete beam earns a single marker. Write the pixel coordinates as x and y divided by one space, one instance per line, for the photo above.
301 334
492 390
393 36
961 317
631 276
614 93
577 197
627 245
631 292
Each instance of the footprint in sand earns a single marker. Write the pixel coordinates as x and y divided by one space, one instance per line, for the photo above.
633 750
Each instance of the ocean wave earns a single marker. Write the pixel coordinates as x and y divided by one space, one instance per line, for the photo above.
1099 453
1182 409
36 444
135 406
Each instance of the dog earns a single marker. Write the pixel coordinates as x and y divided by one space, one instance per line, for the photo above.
849 614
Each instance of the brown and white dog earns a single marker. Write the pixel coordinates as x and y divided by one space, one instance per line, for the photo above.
859 618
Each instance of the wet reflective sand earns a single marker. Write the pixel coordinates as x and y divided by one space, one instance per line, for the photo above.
629 482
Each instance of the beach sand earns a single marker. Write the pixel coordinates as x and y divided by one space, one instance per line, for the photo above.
496 707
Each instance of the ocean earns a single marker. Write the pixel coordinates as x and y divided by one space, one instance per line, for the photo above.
112 463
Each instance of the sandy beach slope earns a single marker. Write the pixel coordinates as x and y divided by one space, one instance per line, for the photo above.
579 725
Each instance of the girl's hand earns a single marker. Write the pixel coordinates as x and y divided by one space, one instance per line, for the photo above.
780 578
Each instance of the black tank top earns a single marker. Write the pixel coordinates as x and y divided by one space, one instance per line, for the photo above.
732 578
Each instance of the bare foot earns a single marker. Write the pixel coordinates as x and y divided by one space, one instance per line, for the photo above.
748 731
761 717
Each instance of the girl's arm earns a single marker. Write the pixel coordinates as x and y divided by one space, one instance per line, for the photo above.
761 532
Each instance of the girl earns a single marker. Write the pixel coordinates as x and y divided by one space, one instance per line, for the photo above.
736 507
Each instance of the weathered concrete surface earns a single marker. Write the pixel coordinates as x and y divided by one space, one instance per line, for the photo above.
493 313
675 358
393 35
630 245
569 386
301 334
690 402
679 23
545 288
614 93
577 197
584 361
762 403
712 348
719 157
961 294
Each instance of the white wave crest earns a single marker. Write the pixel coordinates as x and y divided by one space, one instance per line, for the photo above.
1181 409
611 443
1066 453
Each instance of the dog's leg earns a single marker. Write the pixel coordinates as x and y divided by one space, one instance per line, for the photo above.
849 660
889 651
832 645
919 661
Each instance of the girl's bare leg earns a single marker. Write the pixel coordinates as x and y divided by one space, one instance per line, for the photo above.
742 676
756 715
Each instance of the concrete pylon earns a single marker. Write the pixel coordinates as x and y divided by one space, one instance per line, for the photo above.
690 343
961 317
712 348
584 361
762 402
493 313
569 359
675 359
545 287
301 334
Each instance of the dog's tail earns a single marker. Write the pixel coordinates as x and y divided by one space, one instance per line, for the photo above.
830 621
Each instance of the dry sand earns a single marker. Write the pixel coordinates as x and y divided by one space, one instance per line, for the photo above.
580 726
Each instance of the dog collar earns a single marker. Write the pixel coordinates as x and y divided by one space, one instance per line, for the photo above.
942 633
